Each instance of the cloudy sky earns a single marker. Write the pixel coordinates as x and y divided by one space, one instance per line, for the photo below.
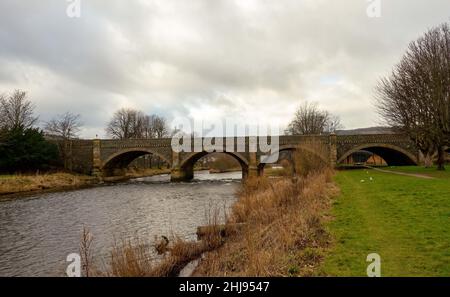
252 60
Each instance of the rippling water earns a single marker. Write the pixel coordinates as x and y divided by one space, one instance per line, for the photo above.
37 233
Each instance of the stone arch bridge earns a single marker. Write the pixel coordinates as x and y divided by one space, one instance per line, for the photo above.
106 158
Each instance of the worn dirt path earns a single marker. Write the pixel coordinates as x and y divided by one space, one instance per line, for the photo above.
402 173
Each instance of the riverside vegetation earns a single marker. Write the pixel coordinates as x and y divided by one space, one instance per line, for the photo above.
318 223
18 183
282 219
282 232
274 229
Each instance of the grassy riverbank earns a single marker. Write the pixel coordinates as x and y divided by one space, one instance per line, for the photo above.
16 184
404 219
324 224
30 183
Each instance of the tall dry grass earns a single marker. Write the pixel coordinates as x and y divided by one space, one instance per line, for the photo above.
134 258
282 218
137 258
311 158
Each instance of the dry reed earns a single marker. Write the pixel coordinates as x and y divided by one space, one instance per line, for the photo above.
280 231
283 233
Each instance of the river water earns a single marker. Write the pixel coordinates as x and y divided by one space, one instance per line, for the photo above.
38 232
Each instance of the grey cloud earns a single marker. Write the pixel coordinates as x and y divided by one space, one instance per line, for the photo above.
237 58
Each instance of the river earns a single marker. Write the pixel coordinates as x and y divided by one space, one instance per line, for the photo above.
38 232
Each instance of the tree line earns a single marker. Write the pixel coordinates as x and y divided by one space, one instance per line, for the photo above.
22 145
26 147
129 123
414 99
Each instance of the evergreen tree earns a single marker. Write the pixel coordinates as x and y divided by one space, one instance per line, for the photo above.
25 150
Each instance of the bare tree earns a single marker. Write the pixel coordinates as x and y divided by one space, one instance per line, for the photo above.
65 126
333 124
309 119
146 129
159 126
16 111
126 123
130 123
415 99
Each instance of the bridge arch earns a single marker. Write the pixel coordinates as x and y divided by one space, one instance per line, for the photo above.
392 154
293 149
187 164
121 159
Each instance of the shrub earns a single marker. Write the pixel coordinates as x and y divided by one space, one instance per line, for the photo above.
25 150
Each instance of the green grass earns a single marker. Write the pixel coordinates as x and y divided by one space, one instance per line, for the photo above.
422 170
406 220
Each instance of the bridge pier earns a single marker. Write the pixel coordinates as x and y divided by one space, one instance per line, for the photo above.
253 170
96 160
333 150
178 174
